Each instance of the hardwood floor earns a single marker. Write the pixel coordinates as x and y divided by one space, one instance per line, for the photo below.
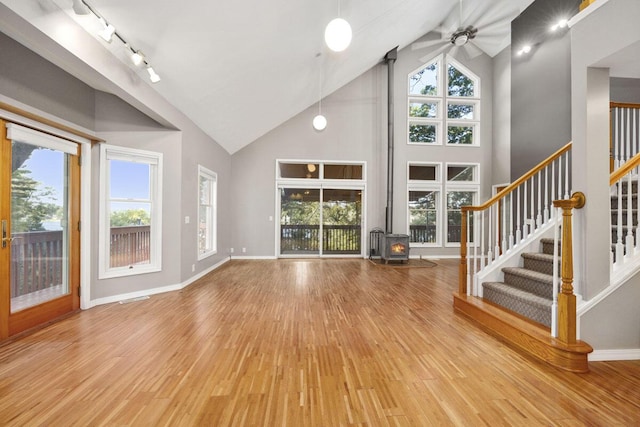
299 343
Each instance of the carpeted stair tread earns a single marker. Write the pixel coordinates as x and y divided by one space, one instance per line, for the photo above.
530 281
522 302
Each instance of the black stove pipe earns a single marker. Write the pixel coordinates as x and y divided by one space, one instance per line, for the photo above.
390 59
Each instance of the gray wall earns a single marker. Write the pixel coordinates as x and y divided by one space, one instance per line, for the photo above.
592 44
33 81
540 84
356 131
26 77
625 90
501 170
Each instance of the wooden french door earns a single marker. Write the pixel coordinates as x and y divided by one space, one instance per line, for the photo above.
39 214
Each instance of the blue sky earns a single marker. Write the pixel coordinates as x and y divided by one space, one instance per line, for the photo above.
128 180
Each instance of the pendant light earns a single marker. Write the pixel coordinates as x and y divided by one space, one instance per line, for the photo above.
337 34
320 121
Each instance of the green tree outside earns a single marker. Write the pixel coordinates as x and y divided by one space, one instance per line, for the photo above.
31 202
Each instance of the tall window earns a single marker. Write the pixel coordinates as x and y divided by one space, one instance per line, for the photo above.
207 211
425 187
130 211
434 204
444 104
462 187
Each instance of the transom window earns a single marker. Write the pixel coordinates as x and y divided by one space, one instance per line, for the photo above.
444 104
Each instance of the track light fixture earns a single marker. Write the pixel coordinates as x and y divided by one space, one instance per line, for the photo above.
108 33
80 8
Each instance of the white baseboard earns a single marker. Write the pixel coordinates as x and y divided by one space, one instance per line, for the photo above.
154 291
253 257
610 355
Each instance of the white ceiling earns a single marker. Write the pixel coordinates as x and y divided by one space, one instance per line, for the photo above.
240 69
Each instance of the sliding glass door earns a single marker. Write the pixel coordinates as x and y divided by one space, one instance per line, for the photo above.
320 221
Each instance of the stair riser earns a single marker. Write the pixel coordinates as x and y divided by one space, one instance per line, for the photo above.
536 287
538 314
547 247
540 266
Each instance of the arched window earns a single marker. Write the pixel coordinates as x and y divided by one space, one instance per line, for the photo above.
444 104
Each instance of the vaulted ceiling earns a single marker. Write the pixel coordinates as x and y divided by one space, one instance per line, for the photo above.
240 69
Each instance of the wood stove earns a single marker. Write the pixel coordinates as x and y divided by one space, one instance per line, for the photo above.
395 247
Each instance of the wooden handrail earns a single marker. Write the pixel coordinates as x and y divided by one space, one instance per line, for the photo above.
623 105
515 184
625 169
566 297
462 283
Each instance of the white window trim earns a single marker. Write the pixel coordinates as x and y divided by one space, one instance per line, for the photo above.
442 98
213 177
111 152
420 185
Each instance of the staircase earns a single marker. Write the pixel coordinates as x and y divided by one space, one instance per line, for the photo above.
527 290
620 212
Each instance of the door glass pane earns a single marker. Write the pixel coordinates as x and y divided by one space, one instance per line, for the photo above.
39 225
299 221
341 221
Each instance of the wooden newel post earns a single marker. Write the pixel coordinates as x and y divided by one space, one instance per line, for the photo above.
566 297
462 276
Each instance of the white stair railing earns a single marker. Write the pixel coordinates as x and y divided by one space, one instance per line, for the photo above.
511 218
625 245
625 138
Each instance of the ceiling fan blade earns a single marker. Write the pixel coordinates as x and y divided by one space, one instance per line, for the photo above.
503 18
472 50
454 50
428 43
435 52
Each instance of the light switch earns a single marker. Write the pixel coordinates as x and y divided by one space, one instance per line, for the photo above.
186 219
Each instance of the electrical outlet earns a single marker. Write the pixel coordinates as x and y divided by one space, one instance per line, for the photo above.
231 250
244 250
187 219
193 268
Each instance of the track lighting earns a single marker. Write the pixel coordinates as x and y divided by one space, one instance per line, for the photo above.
79 8
137 58
108 33
560 24
524 49
155 78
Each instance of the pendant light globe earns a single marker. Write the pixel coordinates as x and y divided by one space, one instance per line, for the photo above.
338 35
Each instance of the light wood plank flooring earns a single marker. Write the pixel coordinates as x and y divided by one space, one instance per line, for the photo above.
299 343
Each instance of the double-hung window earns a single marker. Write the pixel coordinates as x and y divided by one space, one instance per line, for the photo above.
444 104
130 211
207 211
461 187
424 190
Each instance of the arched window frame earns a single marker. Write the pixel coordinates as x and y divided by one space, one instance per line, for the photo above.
428 118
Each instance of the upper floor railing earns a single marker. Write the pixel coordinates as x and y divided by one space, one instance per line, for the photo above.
625 135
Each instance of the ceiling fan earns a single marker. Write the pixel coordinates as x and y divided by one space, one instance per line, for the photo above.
481 29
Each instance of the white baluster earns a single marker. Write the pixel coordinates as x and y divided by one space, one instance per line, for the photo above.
619 232
468 231
518 217
525 225
627 138
497 250
482 257
511 241
490 237
554 304
532 204
539 217
566 176
629 243
547 195
553 185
